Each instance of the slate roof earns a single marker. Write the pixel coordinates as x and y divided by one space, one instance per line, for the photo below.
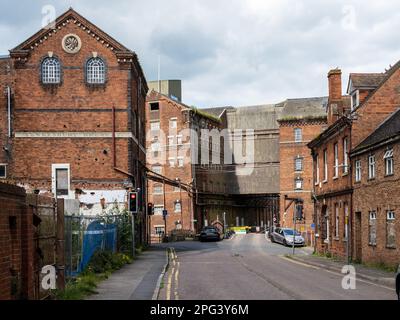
390 128
217 111
305 108
365 80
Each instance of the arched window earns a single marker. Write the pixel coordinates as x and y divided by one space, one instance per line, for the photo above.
51 73
95 71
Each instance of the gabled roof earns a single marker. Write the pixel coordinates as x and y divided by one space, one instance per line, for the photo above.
365 80
71 16
390 128
217 111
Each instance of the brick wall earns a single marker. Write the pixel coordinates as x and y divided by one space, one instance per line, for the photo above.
168 110
380 195
16 245
289 151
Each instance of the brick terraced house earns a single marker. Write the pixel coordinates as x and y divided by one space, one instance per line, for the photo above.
376 193
72 119
372 97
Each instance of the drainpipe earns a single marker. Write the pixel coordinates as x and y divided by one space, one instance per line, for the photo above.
9 110
114 146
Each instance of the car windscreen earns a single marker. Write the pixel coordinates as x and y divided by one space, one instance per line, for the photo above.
290 233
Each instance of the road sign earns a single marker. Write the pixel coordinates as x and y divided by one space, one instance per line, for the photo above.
312 225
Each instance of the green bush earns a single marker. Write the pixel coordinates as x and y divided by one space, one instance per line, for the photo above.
106 262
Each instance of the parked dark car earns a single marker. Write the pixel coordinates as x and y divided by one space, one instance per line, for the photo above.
398 283
285 237
210 234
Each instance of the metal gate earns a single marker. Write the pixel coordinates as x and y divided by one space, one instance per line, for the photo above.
45 239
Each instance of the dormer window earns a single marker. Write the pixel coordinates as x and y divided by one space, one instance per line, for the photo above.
95 71
355 99
51 71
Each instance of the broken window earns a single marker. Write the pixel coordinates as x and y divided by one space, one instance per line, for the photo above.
154 106
389 162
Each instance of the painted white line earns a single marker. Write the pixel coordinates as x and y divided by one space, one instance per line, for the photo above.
300 263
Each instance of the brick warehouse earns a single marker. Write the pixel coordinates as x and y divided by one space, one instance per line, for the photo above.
77 118
170 150
372 97
300 122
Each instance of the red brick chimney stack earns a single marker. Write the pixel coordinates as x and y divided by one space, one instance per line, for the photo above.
335 95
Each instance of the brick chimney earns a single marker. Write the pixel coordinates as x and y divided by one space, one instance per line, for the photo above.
335 105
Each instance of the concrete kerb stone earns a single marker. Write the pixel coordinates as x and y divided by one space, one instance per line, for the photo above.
160 278
382 281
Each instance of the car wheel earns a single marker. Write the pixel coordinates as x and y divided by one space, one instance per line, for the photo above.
284 243
272 239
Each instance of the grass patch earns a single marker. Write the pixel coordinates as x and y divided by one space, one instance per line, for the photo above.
101 266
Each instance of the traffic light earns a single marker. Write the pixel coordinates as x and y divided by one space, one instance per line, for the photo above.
133 202
150 209
299 211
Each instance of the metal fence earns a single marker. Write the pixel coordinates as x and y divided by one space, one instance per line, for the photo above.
84 235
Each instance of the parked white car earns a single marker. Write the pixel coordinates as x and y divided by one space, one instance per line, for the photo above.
286 237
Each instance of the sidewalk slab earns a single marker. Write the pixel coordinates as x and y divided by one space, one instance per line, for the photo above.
136 281
374 275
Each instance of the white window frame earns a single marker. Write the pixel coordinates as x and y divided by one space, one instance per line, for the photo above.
171 162
298 164
54 168
173 123
336 157
358 171
177 209
155 126
180 162
179 139
301 181
5 171
51 70
317 168
158 210
337 220
96 71
158 190
171 140
390 215
160 227
371 167
389 162
355 99
298 135
345 156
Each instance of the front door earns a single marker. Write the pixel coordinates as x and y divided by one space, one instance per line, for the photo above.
357 238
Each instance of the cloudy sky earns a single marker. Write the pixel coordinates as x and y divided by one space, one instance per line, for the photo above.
235 52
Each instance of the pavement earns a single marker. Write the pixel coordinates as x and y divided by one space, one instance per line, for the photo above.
374 275
136 281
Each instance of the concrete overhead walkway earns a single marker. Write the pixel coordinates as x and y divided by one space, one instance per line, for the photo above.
136 281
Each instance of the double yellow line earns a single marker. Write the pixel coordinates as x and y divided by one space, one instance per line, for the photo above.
173 276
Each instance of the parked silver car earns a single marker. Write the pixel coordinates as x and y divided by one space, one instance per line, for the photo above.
285 237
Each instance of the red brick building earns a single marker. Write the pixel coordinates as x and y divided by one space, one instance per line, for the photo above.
174 152
77 119
376 197
371 98
300 122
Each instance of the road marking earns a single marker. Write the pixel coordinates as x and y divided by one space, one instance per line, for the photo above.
336 273
299 263
176 282
169 284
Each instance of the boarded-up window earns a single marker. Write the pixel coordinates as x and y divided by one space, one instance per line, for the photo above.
372 228
390 230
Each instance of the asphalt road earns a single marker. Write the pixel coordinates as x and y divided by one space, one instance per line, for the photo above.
250 267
